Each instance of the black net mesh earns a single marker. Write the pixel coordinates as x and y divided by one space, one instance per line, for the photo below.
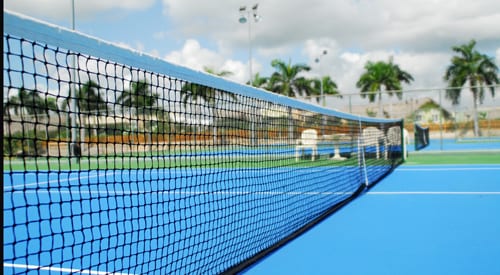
110 167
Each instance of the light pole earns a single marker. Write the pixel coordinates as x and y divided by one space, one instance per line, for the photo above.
74 146
321 79
246 16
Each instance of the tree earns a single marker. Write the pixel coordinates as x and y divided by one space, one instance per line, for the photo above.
88 99
476 69
380 76
12 105
192 92
259 82
141 99
328 86
287 80
30 102
33 103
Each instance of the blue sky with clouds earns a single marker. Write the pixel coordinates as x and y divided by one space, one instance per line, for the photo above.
418 34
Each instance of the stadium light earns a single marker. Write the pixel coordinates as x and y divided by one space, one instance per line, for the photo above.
317 60
246 16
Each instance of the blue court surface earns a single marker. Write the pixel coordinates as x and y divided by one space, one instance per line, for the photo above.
136 221
438 219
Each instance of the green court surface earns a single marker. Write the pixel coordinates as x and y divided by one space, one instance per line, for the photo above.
453 157
258 157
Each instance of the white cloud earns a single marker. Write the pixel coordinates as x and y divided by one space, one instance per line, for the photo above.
350 57
378 24
194 56
419 34
60 10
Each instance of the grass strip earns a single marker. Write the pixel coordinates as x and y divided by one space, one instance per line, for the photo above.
458 157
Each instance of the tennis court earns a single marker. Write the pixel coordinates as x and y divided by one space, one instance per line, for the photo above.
430 219
118 218
141 166
421 219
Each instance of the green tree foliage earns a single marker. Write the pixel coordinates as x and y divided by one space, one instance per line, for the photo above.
326 84
469 66
88 99
30 102
286 80
382 76
139 97
196 93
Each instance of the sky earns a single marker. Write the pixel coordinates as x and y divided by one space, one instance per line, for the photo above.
417 34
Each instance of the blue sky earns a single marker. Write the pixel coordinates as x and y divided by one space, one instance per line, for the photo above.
418 34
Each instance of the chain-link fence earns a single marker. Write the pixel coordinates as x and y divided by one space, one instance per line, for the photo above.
432 108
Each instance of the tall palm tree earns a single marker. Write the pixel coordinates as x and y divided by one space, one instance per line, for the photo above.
287 80
476 69
33 103
141 99
192 92
382 76
328 86
88 99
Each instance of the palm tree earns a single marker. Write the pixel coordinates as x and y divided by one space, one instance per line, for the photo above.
379 76
259 82
88 99
192 92
140 99
475 68
32 103
286 79
328 86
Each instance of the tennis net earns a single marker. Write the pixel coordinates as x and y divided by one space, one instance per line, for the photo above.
421 137
119 162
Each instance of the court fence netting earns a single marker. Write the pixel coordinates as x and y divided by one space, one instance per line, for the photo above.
116 161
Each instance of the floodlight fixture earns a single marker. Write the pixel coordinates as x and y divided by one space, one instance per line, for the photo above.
322 96
245 17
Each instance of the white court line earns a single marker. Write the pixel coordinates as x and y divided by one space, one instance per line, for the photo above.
268 193
58 180
154 172
61 269
431 193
